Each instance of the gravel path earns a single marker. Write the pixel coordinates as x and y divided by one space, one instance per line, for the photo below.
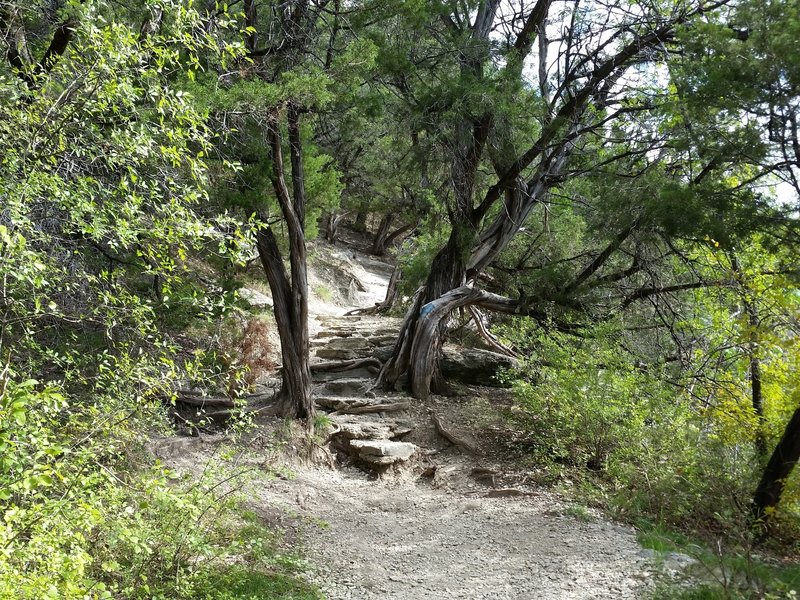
444 538
374 539
380 540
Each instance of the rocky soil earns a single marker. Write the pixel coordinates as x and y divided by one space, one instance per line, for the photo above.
401 511
415 541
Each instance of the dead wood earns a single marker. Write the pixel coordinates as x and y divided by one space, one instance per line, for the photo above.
372 408
372 364
450 436
490 338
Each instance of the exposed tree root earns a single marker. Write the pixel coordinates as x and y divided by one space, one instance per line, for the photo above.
372 364
401 354
450 436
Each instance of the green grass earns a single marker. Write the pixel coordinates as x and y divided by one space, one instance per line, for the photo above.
260 566
241 583
581 513
702 592
323 293
656 537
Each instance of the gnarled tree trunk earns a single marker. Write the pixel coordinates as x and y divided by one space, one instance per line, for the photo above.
523 178
448 271
378 247
289 294
332 226
296 383
360 223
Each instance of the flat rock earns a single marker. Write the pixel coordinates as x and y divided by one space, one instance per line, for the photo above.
255 298
329 353
353 427
474 366
354 342
348 386
369 449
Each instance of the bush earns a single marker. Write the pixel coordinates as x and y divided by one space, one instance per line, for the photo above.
82 521
641 446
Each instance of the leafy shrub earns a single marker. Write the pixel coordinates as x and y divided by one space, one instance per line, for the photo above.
103 173
641 445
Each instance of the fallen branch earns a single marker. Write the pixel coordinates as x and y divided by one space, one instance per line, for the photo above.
490 338
450 436
347 365
372 408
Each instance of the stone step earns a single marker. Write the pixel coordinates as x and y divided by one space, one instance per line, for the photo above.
340 354
381 452
358 427
321 377
330 333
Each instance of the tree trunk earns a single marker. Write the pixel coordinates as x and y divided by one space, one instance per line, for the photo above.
753 350
394 235
296 384
392 291
290 296
332 226
425 350
780 465
448 271
378 247
360 224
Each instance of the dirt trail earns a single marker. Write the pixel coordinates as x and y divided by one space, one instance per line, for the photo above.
443 536
409 541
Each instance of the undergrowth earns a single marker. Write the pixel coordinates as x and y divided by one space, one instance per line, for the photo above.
616 437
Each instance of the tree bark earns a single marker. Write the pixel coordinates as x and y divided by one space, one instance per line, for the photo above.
290 296
753 353
332 226
448 271
473 244
398 232
378 247
773 480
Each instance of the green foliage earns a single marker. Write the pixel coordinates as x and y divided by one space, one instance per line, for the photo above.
237 583
103 173
639 444
418 253
722 572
